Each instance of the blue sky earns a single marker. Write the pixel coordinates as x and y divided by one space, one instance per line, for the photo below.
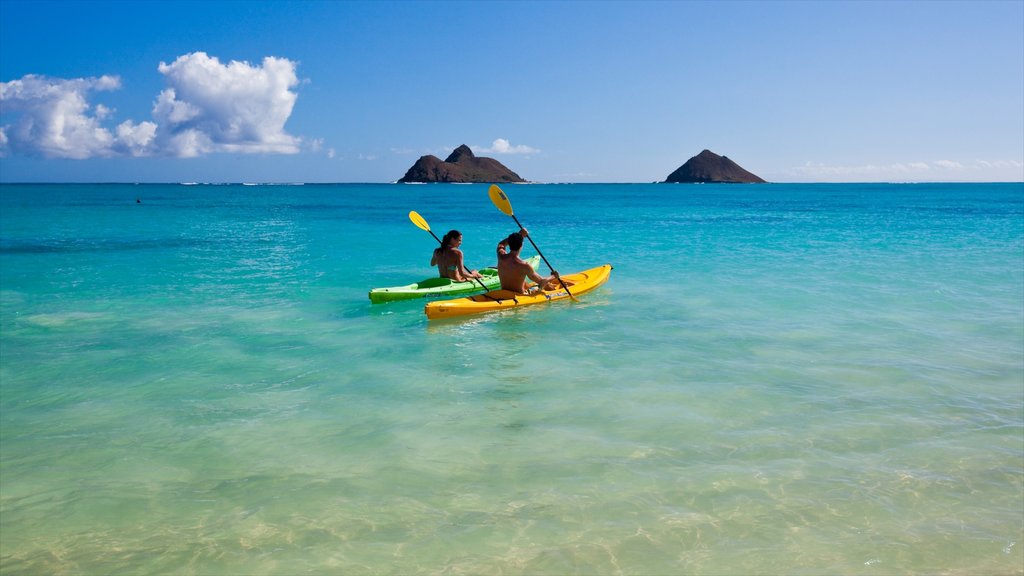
331 91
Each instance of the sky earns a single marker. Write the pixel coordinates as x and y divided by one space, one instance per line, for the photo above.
557 91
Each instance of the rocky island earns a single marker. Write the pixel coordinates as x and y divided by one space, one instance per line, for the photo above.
460 166
708 167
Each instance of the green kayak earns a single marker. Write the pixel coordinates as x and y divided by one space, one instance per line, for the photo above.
441 286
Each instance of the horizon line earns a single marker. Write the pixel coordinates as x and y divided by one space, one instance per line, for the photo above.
337 183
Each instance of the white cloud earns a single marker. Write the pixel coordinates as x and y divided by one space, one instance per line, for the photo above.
186 144
173 111
135 139
207 107
237 107
811 169
936 170
52 117
316 145
1011 164
502 146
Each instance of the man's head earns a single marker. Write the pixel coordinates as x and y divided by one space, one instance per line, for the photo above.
515 241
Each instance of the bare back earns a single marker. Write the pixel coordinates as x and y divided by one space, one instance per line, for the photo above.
449 264
513 272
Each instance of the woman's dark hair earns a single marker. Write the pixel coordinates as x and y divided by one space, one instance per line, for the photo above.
450 236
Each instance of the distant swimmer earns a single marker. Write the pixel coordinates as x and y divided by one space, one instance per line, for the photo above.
138 201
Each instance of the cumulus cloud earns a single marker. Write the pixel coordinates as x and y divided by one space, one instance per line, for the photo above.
135 139
502 146
52 117
207 107
234 107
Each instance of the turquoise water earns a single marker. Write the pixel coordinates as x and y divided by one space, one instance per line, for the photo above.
780 379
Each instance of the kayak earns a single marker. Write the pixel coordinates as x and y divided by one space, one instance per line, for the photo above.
441 286
582 282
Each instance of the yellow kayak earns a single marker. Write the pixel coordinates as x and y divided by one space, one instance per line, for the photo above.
581 282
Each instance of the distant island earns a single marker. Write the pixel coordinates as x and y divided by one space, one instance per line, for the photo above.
460 166
708 167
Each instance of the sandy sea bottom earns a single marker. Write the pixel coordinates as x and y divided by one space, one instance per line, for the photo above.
820 381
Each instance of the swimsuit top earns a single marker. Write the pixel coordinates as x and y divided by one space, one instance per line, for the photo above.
450 267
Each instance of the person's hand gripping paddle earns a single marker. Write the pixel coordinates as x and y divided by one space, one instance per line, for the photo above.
501 201
422 225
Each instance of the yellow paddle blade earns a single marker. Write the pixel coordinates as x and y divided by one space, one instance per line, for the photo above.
419 221
500 200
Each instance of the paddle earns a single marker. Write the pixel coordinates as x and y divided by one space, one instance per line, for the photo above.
422 225
502 202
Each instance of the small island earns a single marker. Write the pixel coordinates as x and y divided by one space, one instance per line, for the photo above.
708 167
460 166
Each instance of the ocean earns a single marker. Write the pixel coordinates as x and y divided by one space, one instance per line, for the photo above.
777 379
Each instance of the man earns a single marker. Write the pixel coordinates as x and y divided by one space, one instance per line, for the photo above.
513 270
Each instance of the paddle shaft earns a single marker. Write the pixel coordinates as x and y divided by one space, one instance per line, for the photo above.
550 267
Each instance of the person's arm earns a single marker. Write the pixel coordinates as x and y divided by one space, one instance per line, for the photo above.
469 274
502 247
433 258
541 281
463 275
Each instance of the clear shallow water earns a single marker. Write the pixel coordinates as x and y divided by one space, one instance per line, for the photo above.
797 379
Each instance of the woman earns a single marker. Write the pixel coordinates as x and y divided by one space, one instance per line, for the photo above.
448 259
